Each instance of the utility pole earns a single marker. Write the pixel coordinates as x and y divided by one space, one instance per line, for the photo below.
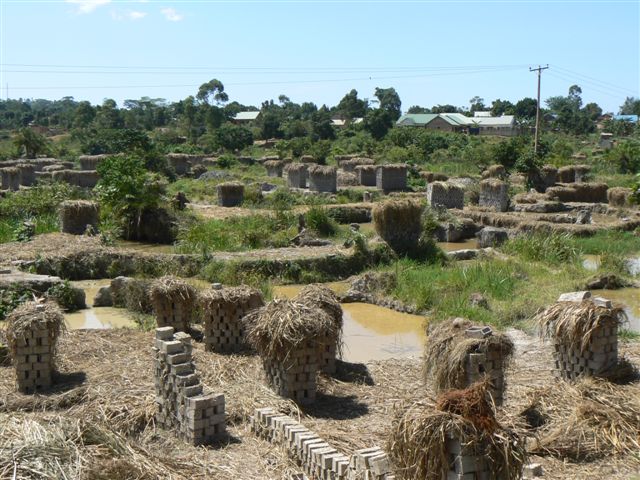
535 142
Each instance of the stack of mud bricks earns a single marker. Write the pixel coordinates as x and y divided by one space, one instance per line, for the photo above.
600 354
317 458
34 361
328 358
173 314
445 195
390 178
296 175
466 461
485 363
366 175
494 194
223 330
197 417
295 377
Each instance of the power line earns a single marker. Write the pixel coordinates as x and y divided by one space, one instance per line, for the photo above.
283 82
595 80
591 87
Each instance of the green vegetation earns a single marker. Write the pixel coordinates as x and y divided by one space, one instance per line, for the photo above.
237 233
553 249
318 220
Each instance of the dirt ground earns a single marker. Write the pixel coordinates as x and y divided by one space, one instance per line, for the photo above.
107 387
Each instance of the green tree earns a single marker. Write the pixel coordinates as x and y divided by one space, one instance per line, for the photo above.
477 105
351 106
212 90
631 106
83 115
418 109
389 101
30 142
108 115
378 122
525 110
502 107
233 137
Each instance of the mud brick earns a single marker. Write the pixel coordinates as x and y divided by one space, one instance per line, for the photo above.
340 465
304 437
170 347
574 296
182 368
164 333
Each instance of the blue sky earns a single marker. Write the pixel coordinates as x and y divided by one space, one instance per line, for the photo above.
431 52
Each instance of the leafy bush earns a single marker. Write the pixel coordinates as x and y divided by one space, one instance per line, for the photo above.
319 221
113 140
625 157
226 161
66 296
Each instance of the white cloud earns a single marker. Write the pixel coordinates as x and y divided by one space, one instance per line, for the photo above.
171 14
129 15
87 6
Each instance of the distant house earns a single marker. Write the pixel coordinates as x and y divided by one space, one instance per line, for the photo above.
244 118
626 118
341 122
457 122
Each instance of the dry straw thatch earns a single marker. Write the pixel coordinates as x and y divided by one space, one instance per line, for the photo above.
590 419
573 323
77 215
420 433
170 289
231 295
321 170
447 348
35 315
284 326
579 192
323 298
398 222
495 171
230 194
433 176
619 196
295 167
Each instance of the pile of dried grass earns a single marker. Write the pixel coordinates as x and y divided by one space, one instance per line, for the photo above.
573 323
295 167
322 297
579 192
172 289
77 215
321 170
494 171
30 316
212 297
420 433
399 223
346 179
284 326
590 419
619 196
447 348
433 176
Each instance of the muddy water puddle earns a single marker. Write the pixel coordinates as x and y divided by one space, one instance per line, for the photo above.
100 317
144 247
593 262
470 243
371 332
629 298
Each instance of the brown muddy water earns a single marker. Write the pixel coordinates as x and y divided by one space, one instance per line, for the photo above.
371 332
629 298
144 247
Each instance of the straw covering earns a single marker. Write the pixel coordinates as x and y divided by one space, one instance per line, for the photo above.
425 436
31 316
283 326
398 222
447 350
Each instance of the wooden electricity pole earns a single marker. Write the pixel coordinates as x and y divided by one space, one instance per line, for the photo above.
535 142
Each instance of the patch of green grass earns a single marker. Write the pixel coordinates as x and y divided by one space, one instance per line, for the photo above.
514 289
237 234
45 223
609 241
627 335
318 220
553 249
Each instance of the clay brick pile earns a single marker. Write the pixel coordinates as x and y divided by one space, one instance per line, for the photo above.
445 195
33 360
316 457
223 310
295 377
572 361
32 333
487 362
173 302
196 416
466 460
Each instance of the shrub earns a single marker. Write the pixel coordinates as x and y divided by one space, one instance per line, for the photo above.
318 220
552 249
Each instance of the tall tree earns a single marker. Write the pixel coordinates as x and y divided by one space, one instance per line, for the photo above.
631 106
389 101
351 106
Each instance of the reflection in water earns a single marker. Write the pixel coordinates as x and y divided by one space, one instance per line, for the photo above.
377 333
591 262
290 291
372 332
99 318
